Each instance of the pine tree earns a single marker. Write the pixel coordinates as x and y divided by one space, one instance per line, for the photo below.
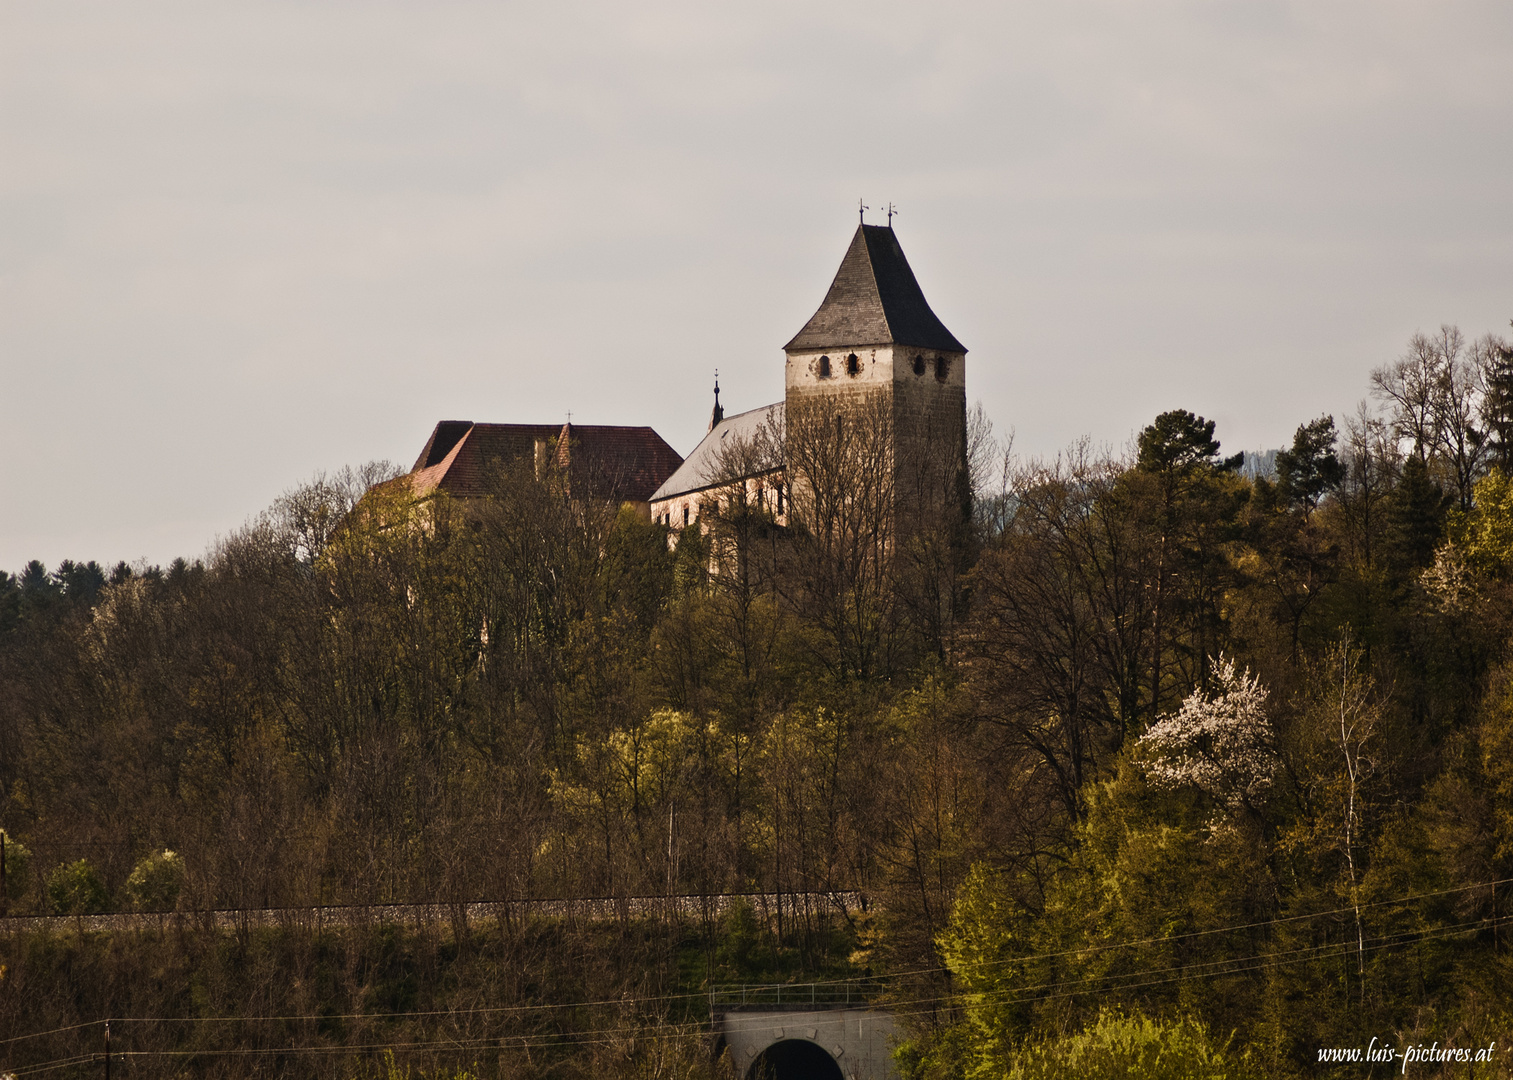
1311 467
1497 403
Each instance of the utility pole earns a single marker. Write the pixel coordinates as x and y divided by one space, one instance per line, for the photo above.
107 1050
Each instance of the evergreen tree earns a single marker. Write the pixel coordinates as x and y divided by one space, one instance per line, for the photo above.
1415 520
1497 402
1311 467
1178 442
1194 510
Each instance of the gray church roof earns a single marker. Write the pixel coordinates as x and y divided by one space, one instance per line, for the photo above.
874 300
704 467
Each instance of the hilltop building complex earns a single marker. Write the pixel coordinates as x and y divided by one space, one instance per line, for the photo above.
873 365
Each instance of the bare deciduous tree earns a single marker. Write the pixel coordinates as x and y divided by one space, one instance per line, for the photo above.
839 573
1054 649
1436 390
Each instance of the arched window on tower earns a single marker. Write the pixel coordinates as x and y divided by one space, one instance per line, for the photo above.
919 365
853 365
824 367
942 367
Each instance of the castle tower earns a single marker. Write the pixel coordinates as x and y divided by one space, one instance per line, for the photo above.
875 354
875 405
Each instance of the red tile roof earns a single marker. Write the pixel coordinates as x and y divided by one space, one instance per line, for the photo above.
622 463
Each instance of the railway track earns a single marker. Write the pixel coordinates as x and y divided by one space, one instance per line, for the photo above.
587 909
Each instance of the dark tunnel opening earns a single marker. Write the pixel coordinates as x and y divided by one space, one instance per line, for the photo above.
794 1059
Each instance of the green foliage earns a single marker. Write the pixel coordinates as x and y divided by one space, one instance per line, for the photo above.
1152 876
638 567
156 881
1497 405
1116 1046
76 889
690 562
989 945
1485 534
541 999
1310 468
17 867
1039 767
1179 442
1496 765
1415 519
740 938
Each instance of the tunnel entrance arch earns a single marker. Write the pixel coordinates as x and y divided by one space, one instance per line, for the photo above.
777 1041
794 1059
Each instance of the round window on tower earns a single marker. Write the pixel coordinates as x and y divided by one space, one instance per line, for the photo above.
853 365
823 367
919 365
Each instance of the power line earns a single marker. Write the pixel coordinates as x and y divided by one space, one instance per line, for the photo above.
1255 961
1012 995
1180 973
1086 949
54 1031
578 1038
599 1036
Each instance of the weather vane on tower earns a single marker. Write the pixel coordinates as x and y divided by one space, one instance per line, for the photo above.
861 211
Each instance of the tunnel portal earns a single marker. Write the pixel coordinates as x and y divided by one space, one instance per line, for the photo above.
803 1041
794 1059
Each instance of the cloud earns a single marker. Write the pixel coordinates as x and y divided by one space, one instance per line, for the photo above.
240 242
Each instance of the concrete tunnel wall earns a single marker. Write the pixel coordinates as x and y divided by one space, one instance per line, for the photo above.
860 1040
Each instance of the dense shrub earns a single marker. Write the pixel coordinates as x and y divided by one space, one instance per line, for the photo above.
155 883
1120 1047
17 864
76 889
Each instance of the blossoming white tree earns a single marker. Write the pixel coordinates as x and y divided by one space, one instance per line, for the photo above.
1220 744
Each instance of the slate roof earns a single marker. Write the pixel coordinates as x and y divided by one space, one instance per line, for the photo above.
624 463
874 300
701 469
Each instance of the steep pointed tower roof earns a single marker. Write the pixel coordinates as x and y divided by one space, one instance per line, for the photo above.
874 300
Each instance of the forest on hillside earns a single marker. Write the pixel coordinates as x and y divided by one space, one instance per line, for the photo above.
1135 758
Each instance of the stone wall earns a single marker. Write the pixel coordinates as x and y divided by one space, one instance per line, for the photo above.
923 395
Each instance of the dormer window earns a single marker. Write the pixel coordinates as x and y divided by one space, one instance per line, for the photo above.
824 367
853 365
919 365
942 366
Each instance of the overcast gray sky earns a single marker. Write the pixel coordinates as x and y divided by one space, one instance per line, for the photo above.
242 242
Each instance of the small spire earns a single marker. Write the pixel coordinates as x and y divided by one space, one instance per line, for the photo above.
719 413
861 211
892 210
